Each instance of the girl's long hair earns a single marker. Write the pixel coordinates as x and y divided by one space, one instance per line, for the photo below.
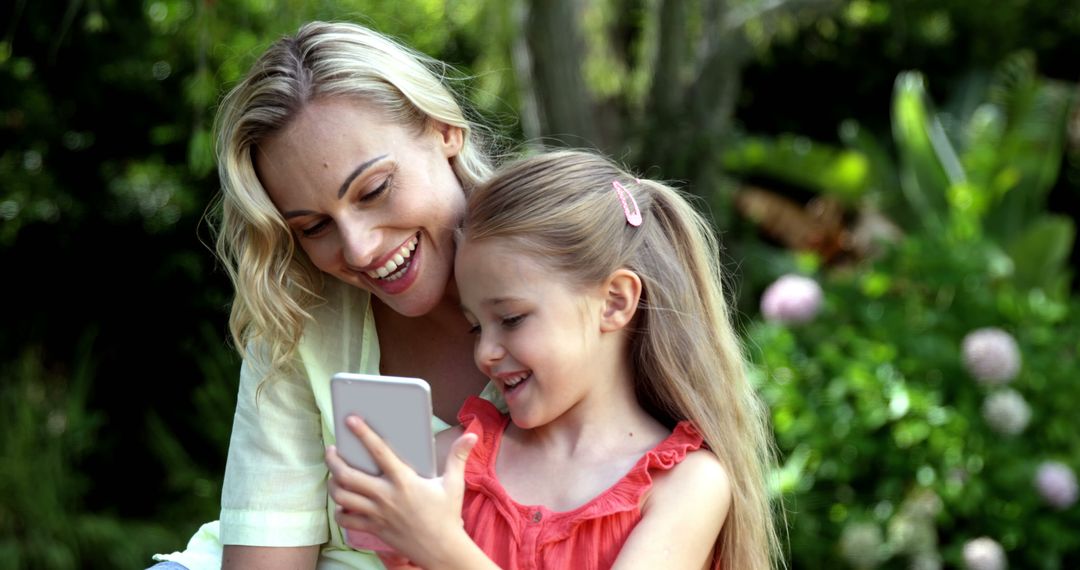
688 362
275 283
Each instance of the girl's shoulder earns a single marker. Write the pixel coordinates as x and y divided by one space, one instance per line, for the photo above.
699 479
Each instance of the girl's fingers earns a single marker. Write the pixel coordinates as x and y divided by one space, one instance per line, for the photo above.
346 476
353 521
349 500
454 473
394 561
381 453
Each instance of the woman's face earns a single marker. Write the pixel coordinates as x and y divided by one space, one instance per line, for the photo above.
371 202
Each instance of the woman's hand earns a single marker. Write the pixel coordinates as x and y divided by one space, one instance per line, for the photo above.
414 515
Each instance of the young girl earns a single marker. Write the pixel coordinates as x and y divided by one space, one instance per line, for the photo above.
633 437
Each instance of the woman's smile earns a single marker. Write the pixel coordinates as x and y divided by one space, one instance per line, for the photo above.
400 269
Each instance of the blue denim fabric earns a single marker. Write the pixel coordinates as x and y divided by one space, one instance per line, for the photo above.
168 565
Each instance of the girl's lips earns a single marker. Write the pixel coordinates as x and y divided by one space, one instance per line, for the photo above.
401 281
510 392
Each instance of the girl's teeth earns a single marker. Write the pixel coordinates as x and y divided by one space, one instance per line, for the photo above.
511 382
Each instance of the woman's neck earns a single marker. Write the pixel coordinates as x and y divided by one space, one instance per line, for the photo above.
436 347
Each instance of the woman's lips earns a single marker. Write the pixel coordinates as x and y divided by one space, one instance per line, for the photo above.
399 275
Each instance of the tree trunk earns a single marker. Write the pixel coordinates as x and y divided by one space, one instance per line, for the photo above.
557 51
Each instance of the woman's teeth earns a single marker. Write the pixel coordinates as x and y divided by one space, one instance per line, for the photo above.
389 271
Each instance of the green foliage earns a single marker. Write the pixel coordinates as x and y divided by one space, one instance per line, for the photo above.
873 409
47 433
798 160
193 487
890 459
986 171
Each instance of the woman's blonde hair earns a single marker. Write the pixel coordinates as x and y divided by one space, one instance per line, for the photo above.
688 363
276 284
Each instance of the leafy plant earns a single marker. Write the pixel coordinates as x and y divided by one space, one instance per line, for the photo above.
873 409
976 170
46 433
899 451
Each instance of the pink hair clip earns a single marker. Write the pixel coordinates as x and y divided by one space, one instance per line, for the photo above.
633 217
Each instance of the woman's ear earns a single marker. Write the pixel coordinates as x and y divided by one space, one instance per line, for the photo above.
622 292
450 138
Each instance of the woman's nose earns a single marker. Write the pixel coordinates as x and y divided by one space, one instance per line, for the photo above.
360 244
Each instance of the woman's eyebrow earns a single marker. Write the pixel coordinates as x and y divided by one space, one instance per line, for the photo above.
357 172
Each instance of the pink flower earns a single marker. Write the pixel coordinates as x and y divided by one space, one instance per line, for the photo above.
991 356
791 299
1056 483
984 554
1006 412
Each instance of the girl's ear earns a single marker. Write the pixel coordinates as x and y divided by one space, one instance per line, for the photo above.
622 292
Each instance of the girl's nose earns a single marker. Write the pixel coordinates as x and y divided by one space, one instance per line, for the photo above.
488 352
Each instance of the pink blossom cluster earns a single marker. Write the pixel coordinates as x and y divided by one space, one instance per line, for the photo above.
791 299
984 553
991 356
1006 412
1056 482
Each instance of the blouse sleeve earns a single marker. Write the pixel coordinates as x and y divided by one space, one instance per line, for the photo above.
274 492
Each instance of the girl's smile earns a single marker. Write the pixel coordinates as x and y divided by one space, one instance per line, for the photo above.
537 338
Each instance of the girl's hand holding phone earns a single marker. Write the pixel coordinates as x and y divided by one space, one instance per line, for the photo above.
419 517
394 561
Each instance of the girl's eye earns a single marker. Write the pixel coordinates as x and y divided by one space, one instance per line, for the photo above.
378 191
474 330
512 321
314 230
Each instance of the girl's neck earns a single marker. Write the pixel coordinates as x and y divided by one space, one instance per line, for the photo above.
593 445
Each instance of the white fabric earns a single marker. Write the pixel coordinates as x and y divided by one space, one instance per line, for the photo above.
274 492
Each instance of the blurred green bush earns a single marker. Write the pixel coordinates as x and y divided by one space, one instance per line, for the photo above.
896 453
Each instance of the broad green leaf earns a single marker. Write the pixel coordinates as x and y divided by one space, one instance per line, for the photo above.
883 183
825 169
928 162
1041 252
1027 157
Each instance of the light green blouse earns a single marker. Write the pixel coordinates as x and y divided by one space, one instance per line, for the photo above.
274 492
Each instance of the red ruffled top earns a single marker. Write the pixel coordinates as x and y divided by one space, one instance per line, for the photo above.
523 537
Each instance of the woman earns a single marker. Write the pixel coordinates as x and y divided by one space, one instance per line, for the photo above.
344 162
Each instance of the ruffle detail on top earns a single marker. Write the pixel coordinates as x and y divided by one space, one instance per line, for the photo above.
482 418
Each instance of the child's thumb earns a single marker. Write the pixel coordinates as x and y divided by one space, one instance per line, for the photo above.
454 474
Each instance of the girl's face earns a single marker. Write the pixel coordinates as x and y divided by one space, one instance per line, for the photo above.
371 202
538 337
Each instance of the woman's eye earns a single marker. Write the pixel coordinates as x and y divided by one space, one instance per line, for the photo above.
474 330
512 321
378 191
314 230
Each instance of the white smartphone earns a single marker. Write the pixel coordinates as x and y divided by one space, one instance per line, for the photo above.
396 408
